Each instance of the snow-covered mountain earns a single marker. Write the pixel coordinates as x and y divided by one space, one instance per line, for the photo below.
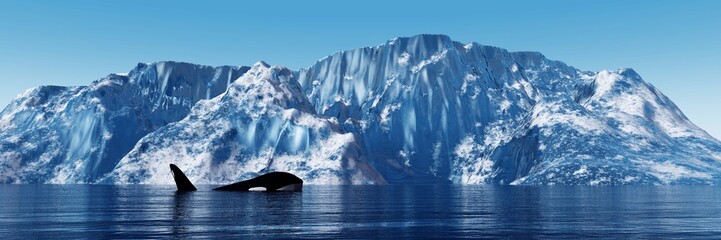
262 123
417 109
429 107
54 134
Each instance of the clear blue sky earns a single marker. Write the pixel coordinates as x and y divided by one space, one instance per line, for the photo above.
675 45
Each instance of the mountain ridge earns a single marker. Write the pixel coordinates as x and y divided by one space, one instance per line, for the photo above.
426 108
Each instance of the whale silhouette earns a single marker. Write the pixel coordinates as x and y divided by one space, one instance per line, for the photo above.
271 182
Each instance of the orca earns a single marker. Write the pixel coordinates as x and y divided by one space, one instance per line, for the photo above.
181 181
270 182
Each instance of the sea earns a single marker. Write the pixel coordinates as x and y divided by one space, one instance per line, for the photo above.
361 212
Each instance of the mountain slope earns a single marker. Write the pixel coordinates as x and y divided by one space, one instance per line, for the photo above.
262 123
56 134
412 110
429 107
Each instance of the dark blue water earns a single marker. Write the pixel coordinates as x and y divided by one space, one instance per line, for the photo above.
338 212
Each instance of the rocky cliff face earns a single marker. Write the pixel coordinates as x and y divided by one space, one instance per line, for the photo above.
417 109
54 134
262 123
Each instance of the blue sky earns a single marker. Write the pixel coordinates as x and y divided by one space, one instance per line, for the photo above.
674 45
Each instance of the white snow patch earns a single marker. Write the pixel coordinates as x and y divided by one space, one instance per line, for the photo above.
386 112
107 135
406 156
542 147
434 59
668 171
599 181
505 104
470 166
582 171
629 179
404 59
468 79
549 114
392 41
521 180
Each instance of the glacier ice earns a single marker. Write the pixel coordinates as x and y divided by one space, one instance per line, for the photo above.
55 134
412 110
263 123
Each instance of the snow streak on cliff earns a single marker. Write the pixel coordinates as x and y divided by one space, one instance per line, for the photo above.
417 109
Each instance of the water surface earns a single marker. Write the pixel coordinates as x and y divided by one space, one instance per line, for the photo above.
338 212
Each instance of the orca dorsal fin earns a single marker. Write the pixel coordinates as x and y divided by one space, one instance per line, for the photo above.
181 181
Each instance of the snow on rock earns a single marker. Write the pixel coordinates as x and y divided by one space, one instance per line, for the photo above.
531 120
415 109
262 123
78 134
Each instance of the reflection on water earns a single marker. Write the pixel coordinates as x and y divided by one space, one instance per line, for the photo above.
181 213
421 211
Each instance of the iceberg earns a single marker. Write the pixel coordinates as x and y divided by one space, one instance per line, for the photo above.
420 109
